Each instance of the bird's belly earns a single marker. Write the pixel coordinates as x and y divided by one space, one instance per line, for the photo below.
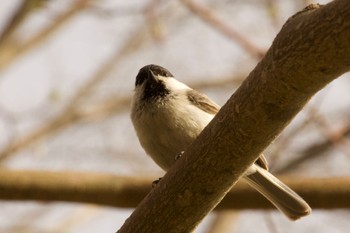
165 136
167 130
164 143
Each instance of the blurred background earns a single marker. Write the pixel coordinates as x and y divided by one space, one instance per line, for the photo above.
67 72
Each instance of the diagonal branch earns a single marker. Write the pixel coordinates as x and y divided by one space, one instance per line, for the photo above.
311 50
213 19
18 17
9 53
316 150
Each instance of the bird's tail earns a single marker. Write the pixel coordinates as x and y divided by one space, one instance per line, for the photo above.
279 194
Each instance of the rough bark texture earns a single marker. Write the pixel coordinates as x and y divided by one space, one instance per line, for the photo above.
127 192
311 50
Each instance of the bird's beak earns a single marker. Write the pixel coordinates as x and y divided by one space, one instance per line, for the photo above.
151 76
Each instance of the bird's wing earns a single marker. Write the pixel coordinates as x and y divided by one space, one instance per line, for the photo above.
202 101
262 162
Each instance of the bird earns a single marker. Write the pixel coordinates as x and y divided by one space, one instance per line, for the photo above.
168 115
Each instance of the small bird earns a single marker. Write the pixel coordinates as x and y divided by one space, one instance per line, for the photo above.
168 116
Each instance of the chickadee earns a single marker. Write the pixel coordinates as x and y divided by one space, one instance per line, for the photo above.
168 116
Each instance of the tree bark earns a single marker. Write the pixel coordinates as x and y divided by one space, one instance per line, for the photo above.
311 50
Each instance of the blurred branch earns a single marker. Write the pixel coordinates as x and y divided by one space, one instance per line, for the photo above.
316 150
213 19
217 82
112 12
335 138
9 52
271 225
127 192
155 24
23 10
66 119
223 221
284 141
272 11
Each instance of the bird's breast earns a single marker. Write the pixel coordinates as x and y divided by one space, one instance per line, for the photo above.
166 129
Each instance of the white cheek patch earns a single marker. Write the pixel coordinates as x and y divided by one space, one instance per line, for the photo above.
173 84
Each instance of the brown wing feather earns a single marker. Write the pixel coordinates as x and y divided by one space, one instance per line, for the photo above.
202 102
261 161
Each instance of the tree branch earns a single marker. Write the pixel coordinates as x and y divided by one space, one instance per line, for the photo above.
311 50
127 192
18 17
213 19
8 53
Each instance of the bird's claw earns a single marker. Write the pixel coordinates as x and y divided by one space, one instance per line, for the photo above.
179 155
154 183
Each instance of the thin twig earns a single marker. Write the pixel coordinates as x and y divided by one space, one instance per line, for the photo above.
315 151
223 221
10 53
213 19
18 17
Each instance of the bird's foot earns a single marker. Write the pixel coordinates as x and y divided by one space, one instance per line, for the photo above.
154 183
179 155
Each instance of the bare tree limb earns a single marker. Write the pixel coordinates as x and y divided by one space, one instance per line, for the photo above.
213 19
9 53
127 192
23 10
316 150
223 222
311 50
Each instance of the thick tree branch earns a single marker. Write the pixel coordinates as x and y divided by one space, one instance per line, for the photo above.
127 192
312 49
